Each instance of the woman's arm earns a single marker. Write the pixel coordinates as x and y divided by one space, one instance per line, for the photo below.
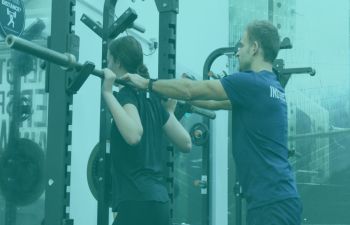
126 118
174 129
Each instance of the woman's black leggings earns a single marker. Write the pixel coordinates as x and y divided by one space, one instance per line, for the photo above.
143 213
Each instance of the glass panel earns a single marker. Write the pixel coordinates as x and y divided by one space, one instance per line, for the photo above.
23 122
188 181
319 106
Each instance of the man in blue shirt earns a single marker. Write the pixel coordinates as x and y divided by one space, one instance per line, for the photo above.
259 124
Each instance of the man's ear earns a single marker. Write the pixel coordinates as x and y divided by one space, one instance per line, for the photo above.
255 47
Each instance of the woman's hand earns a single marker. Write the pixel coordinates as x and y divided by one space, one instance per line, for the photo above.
169 105
108 80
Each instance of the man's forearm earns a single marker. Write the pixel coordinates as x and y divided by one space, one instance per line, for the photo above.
177 89
183 89
212 104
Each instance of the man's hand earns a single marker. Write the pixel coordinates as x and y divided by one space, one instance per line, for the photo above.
108 80
169 105
136 80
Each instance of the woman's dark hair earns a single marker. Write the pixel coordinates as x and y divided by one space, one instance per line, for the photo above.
128 51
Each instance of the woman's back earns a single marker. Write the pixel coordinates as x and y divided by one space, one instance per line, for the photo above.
138 170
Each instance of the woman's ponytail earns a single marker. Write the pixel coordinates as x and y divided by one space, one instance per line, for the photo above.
142 70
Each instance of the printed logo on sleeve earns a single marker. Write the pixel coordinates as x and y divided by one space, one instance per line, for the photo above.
277 94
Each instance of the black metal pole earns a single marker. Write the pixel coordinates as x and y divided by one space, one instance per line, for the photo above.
168 10
59 135
10 208
105 118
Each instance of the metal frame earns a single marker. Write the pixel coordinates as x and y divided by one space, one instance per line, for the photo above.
58 158
205 190
105 118
168 11
59 137
14 125
58 155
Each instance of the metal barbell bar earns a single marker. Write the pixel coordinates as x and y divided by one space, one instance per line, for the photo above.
69 62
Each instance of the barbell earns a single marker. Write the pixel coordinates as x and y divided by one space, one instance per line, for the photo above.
65 60
68 61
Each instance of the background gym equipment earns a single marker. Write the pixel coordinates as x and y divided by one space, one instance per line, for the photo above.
24 108
124 21
66 60
93 173
199 134
278 65
22 172
23 63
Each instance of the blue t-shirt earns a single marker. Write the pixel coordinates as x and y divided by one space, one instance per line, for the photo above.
259 137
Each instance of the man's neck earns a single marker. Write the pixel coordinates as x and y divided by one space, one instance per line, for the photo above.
260 66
